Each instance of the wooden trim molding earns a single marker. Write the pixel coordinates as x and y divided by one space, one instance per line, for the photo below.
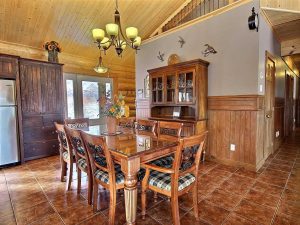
236 102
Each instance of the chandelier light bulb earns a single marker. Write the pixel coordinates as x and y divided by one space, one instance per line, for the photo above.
112 29
131 33
98 34
137 42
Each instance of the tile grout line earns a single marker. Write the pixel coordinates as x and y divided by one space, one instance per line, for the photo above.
11 203
46 195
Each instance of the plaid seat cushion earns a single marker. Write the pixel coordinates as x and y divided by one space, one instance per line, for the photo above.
82 163
164 161
104 177
163 180
66 155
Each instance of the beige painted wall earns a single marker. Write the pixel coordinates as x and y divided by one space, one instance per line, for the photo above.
232 71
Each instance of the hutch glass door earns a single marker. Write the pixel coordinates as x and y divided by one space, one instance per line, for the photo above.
186 87
157 89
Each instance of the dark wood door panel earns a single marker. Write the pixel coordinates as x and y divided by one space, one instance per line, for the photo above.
31 134
41 149
52 91
48 120
32 121
30 77
8 66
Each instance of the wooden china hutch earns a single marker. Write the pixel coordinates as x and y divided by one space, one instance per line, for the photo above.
178 92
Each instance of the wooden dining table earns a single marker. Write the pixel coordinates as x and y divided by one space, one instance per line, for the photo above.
130 149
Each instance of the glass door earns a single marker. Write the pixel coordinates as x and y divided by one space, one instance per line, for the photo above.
157 89
82 94
171 85
186 87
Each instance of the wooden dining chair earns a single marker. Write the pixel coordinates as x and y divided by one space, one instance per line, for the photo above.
79 123
82 159
127 122
146 127
180 178
66 155
167 131
106 173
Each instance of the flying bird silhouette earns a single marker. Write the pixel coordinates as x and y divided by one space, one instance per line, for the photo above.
181 41
209 49
161 56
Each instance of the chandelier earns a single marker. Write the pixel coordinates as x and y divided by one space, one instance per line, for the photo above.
100 68
115 36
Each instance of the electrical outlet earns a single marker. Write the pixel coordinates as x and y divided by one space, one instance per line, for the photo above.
277 134
232 147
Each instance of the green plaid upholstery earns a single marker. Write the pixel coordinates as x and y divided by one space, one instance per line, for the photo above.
63 139
104 177
166 161
76 142
163 180
66 155
82 163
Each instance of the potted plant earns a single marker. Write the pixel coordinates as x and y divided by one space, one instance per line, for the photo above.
113 109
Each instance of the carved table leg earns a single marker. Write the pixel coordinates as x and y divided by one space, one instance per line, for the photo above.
130 169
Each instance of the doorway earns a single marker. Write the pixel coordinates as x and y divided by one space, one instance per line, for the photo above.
269 105
289 113
82 94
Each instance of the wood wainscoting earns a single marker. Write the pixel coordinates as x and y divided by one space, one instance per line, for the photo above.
279 121
237 120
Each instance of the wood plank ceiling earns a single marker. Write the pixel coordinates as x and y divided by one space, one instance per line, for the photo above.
69 22
286 25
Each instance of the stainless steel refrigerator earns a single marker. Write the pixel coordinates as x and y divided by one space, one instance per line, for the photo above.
9 149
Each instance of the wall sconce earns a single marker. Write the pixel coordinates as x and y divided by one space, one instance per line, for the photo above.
253 21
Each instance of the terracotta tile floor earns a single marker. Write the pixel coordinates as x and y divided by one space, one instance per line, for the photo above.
33 194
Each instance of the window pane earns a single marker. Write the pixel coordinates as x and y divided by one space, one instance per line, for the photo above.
70 99
90 96
108 90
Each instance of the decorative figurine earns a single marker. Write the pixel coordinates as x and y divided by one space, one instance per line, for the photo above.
161 56
209 49
181 41
53 49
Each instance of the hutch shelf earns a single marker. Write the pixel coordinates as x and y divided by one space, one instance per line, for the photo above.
178 93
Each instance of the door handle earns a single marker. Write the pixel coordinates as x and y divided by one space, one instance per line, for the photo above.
268 116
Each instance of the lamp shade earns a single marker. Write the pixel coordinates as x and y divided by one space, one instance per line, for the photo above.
131 32
112 29
122 44
137 41
98 34
105 43
101 69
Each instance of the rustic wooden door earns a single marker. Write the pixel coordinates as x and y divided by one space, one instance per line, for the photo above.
52 90
30 77
269 107
289 105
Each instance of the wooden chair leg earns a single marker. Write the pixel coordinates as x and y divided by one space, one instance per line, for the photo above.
70 176
78 180
95 197
195 201
63 170
90 189
112 206
155 196
175 210
144 202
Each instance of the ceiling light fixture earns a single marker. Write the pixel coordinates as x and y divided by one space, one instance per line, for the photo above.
116 37
100 68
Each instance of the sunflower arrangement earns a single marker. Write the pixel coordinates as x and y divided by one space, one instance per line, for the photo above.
114 107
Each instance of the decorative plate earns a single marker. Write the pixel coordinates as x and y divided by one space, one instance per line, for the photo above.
173 59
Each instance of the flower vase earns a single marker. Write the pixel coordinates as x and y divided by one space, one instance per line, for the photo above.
111 123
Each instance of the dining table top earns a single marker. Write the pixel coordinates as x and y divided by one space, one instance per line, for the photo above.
129 143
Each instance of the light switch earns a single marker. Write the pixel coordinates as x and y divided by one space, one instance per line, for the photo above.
232 147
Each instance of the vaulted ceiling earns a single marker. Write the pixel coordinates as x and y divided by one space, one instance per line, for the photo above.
69 22
286 25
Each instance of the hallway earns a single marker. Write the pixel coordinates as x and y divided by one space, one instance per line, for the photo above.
33 194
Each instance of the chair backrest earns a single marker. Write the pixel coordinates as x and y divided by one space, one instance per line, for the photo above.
126 122
96 147
146 126
188 154
169 131
74 138
79 124
62 138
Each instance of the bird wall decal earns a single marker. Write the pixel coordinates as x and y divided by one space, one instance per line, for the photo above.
161 56
181 41
209 49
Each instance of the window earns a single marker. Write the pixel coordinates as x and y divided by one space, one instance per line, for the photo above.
82 94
